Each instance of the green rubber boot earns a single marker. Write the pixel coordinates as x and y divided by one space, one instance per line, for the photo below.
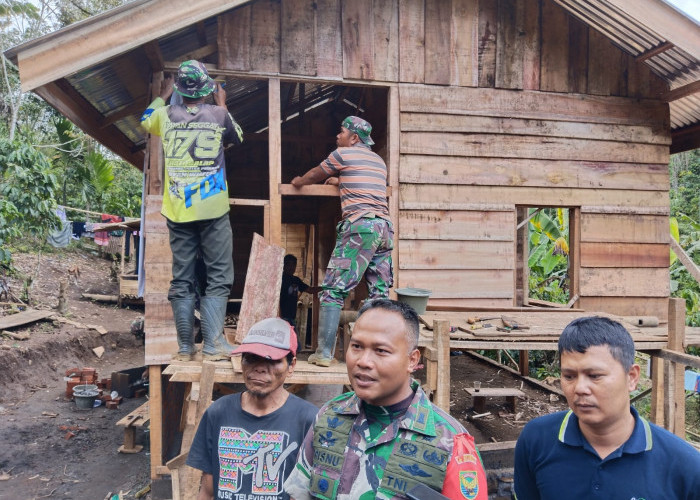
214 345
328 321
183 312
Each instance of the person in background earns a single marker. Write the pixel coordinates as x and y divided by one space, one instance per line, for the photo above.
289 292
195 202
247 443
385 437
601 447
365 236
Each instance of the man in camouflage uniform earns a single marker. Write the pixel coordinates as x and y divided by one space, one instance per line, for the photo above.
365 235
386 437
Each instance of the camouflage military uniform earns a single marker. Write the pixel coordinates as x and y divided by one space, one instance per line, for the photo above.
362 248
342 458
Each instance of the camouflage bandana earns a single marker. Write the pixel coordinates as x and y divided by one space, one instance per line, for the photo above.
360 127
193 80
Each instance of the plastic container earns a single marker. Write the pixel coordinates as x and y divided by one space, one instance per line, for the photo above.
417 298
85 395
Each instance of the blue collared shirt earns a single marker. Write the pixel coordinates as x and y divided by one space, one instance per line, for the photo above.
553 461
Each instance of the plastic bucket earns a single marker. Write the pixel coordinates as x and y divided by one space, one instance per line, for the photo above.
417 298
85 396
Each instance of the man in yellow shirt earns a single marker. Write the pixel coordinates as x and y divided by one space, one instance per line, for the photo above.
195 201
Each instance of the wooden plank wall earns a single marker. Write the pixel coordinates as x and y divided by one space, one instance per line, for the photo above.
465 169
503 104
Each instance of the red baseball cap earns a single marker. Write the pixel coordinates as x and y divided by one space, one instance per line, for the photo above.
271 338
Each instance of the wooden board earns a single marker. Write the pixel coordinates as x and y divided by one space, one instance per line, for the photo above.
624 254
437 41
437 254
532 104
262 285
464 44
556 174
23 318
554 75
488 30
622 228
455 197
357 39
304 373
509 47
265 37
627 282
233 39
385 39
628 306
472 123
460 283
329 51
445 225
298 37
522 146
411 41
531 45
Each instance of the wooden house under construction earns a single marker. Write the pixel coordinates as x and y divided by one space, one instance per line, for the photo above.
482 110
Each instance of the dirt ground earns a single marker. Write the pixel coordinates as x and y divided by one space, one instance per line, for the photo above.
38 460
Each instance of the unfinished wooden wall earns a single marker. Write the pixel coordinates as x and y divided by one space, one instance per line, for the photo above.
503 104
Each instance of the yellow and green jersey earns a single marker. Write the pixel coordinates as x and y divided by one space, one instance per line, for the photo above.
193 146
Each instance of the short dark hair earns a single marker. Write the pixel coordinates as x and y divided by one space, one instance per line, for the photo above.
583 333
409 315
289 258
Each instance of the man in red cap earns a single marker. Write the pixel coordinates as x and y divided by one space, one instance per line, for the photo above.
247 443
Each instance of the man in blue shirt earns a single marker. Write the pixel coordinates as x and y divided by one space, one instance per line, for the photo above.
601 447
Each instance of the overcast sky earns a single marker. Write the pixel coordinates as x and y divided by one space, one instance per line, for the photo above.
690 7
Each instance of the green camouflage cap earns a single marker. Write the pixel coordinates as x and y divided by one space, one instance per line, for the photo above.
360 127
193 80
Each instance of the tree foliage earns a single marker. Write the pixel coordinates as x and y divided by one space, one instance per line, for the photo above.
28 187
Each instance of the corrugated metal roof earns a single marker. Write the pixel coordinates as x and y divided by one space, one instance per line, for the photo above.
673 64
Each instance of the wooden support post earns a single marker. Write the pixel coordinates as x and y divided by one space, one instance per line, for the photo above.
393 166
441 339
657 390
676 336
155 410
524 363
275 158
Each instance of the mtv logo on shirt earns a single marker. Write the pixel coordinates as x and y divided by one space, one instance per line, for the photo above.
259 458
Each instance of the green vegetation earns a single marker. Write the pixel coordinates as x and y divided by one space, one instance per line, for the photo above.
45 160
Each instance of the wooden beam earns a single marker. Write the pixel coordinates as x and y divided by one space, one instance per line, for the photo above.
138 106
315 190
681 92
685 259
657 390
685 139
154 56
676 375
104 36
201 52
61 94
664 20
654 51
394 132
678 357
441 339
275 159
155 412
